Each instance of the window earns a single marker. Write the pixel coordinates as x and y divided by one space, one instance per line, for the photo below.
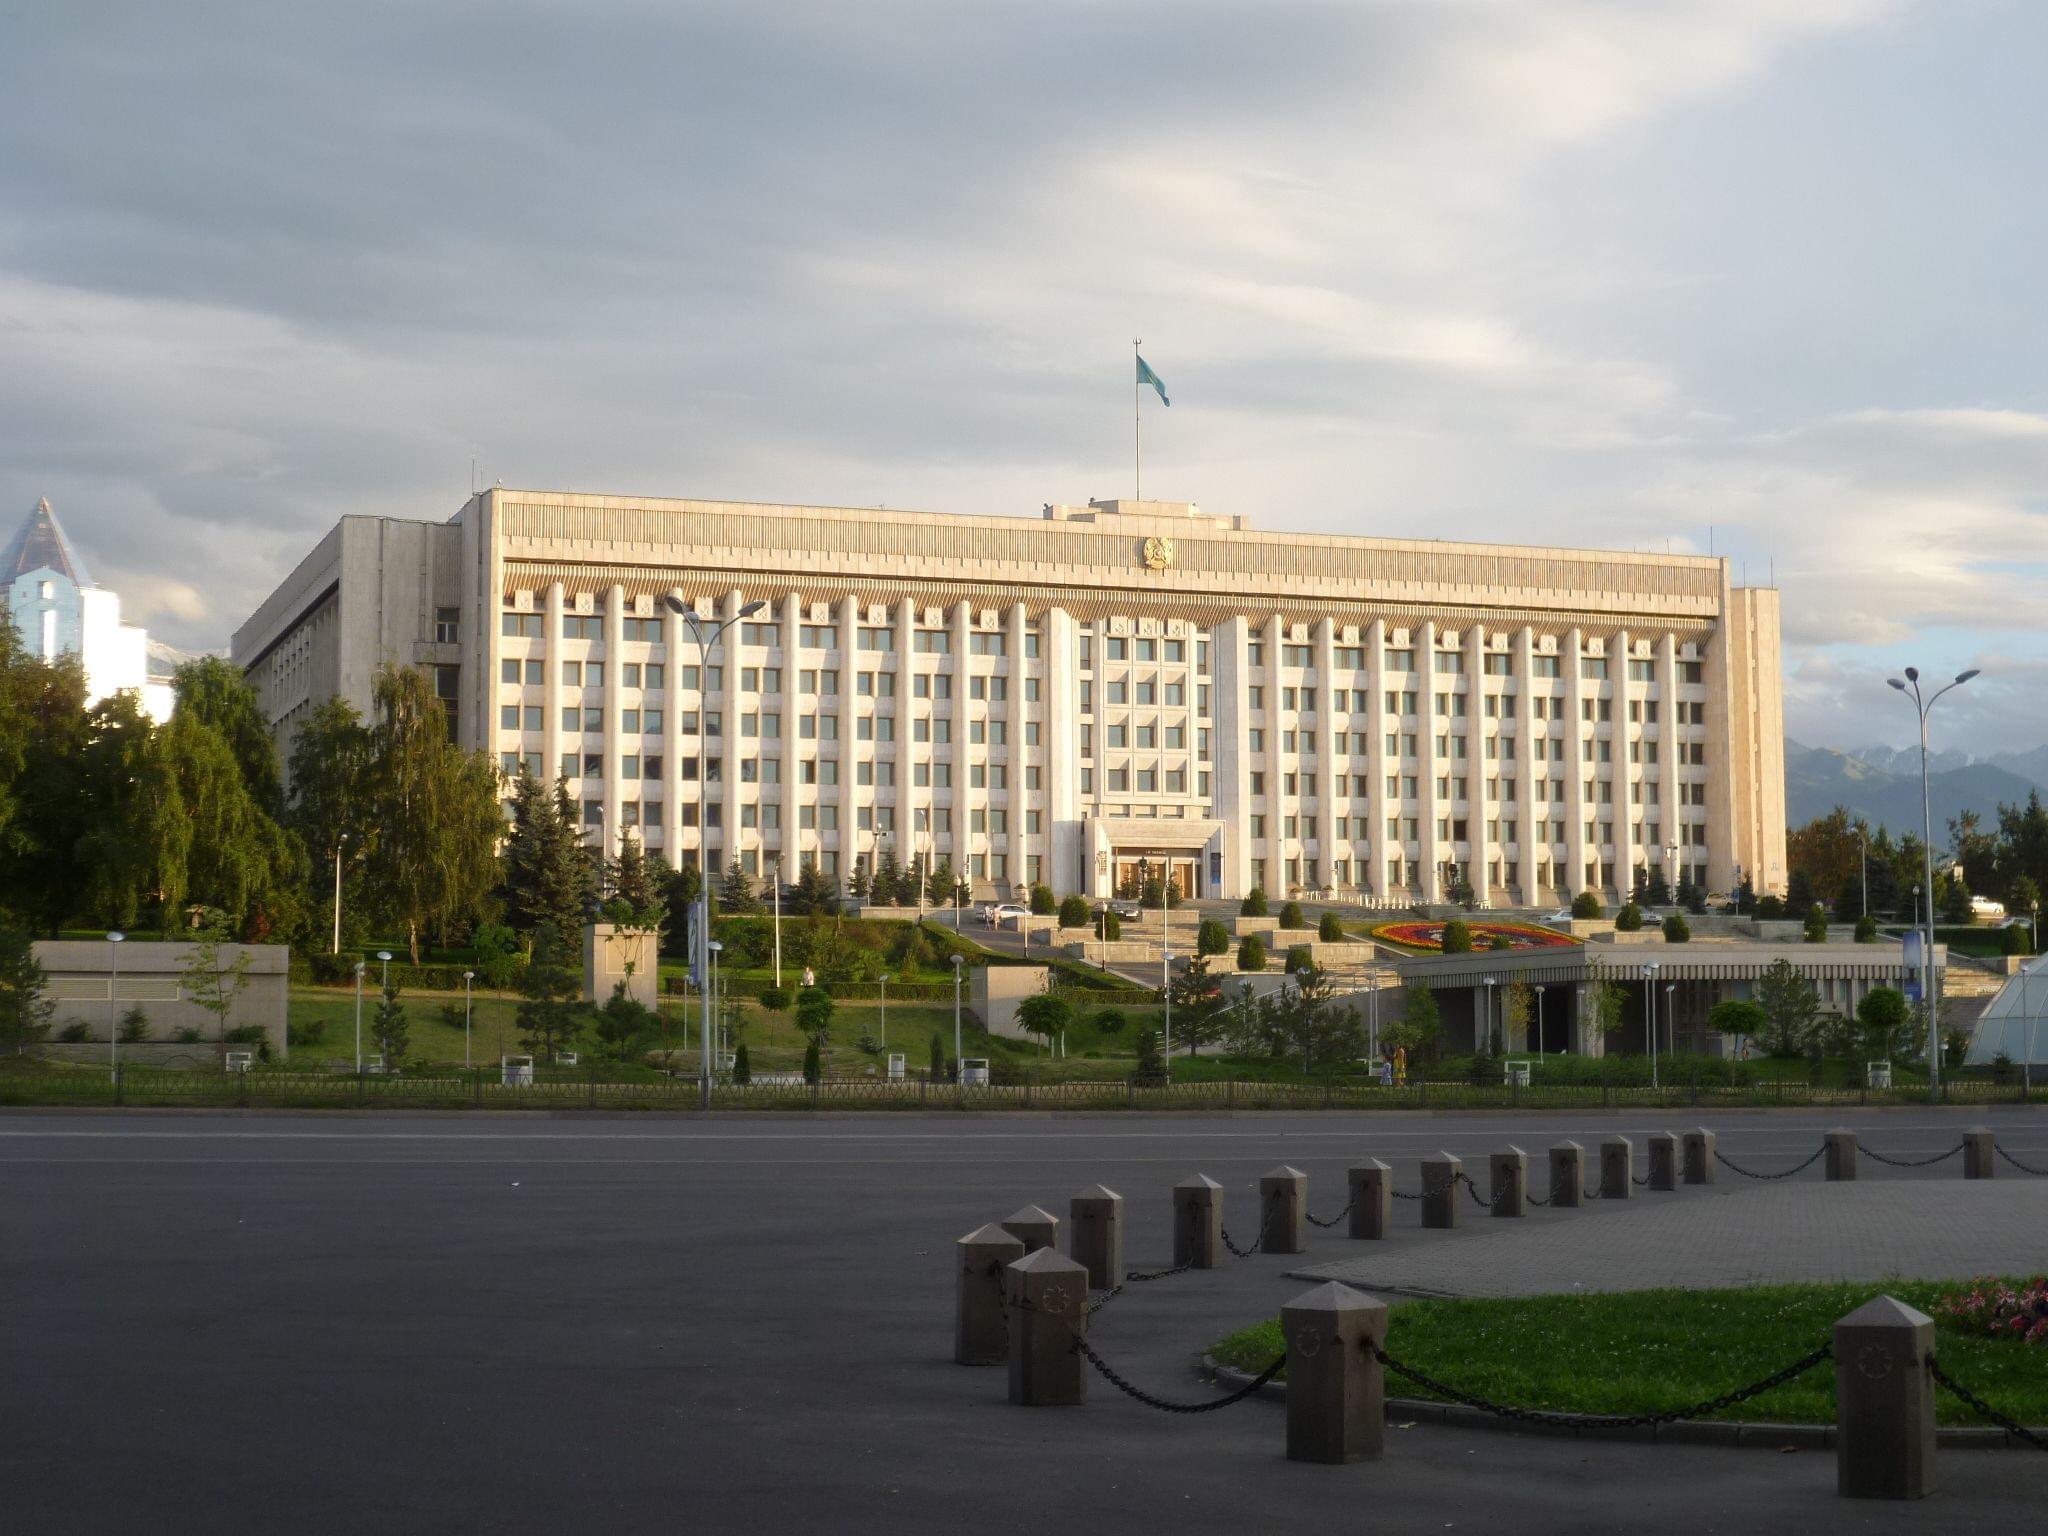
877 639
1116 648
1297 656
447 625
520 626
1593 668
1692 672
819 636
989 645
1544 666
642 631
752 633
582 626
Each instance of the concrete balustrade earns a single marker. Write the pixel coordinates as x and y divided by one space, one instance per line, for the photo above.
1699 1156
1198 1222
1047 1296
1283 1210
1336 1387
981 1336
1372 1199
1095 1235
1567 1175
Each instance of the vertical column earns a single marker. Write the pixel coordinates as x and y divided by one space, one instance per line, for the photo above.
727 658
1034 1227
1627 852
1663 1161
1328 777
1576 768
790 841
1015 755
1530 850
1617 1168
1233 788
1431 724
852 846
1060 650
551 682
1379 804
909 798
614 734
1274 849
965 800
1670 815
1478 805
674 647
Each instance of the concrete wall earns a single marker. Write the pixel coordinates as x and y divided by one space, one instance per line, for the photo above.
996 992
608 952
151 977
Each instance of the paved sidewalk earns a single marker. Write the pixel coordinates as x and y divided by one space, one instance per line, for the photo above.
1732 1235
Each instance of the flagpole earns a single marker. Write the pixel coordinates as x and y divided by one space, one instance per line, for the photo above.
1137 416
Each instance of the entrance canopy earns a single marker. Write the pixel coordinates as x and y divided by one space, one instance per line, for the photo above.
2015 1023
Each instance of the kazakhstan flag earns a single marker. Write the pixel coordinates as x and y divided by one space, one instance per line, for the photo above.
1147 376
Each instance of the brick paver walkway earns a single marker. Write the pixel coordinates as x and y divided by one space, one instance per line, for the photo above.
1730 1235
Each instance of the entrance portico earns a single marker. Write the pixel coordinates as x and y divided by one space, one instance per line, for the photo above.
1126 851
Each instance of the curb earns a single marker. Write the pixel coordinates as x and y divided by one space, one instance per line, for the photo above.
1753 1436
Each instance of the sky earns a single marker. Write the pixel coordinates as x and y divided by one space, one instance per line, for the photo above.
1754 277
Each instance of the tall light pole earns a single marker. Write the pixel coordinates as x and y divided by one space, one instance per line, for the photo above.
467 978
1930 980
716 950
1373 1045
959 960
778 919
359 1018
113 995
1166 997
1671 1014
1487 1044
701 918
1863 909
338 841
384 989
1650 1014
884 980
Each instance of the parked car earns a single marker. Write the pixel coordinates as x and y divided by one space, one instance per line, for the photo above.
999 915
1984 910
1561 915
986 911
1129 911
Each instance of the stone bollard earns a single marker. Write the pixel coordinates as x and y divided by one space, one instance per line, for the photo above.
1198 1222
980 1334
1978 1153
1440 1173
1096 1235
1510 1171
1372 1198
1048 1300
1884 1402
1568 1175
1034 1227
1841 1156
1617 1168
1699 1156
1283 1208
1336 1387
1663 1161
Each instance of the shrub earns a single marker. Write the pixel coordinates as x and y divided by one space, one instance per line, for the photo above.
938 1059
1151 1065
185 1036
1173 896
310 1033
775 999
1629 919
1212 938
1251 953
74 1033
1501 941
1254 903
813 1065
814 1013
1866 929
1111 926
1108 1021
1769 909
1331 929
1153 894
1290 916
1074 912
1816 924
1457 937
1677 930
134 1025
1586 904
2015 939
1300 957
332 970
742 1068
1042 903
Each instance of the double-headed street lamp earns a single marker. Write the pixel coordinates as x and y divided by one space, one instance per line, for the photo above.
113 1004
1911 685
700 917
1650 1014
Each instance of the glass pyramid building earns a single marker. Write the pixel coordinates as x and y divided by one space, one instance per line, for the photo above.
2015 1022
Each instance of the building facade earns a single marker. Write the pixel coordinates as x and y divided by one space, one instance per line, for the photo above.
1100 693
59 610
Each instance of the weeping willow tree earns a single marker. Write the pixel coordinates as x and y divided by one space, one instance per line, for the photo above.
435 808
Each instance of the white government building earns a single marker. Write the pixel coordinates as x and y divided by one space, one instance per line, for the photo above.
59 610
1073 697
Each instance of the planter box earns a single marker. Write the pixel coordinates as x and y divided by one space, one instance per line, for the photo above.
1240 925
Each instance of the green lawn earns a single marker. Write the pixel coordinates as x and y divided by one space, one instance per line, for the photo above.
1640 1351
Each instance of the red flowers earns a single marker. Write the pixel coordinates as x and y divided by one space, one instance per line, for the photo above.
1431 935
2000 1309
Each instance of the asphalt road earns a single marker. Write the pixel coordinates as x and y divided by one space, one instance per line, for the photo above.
298 1323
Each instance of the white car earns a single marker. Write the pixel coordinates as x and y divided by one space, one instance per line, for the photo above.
1005 912
1984 910
1561 915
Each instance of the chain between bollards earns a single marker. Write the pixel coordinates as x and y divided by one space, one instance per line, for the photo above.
2041 1173
1317 1221
1982 1409
1910 1162
1785 1174
1109 1374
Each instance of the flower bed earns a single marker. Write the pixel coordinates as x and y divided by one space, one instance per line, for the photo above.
1428 937
1999 1309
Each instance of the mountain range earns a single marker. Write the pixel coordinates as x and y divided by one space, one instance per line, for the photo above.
1882 784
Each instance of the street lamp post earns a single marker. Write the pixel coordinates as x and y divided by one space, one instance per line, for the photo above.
1650 1014
700 919
959 960
1671 1016
778 919
718 1045
359 1018
467 978
1930 979
1488 1042
113 1004
339 840
884 980
384 990
1373 1045
1863 909
1166 997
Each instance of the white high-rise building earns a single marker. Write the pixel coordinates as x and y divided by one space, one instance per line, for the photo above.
1074 697
58 610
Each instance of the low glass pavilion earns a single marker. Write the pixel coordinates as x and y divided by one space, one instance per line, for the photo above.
2015 1022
